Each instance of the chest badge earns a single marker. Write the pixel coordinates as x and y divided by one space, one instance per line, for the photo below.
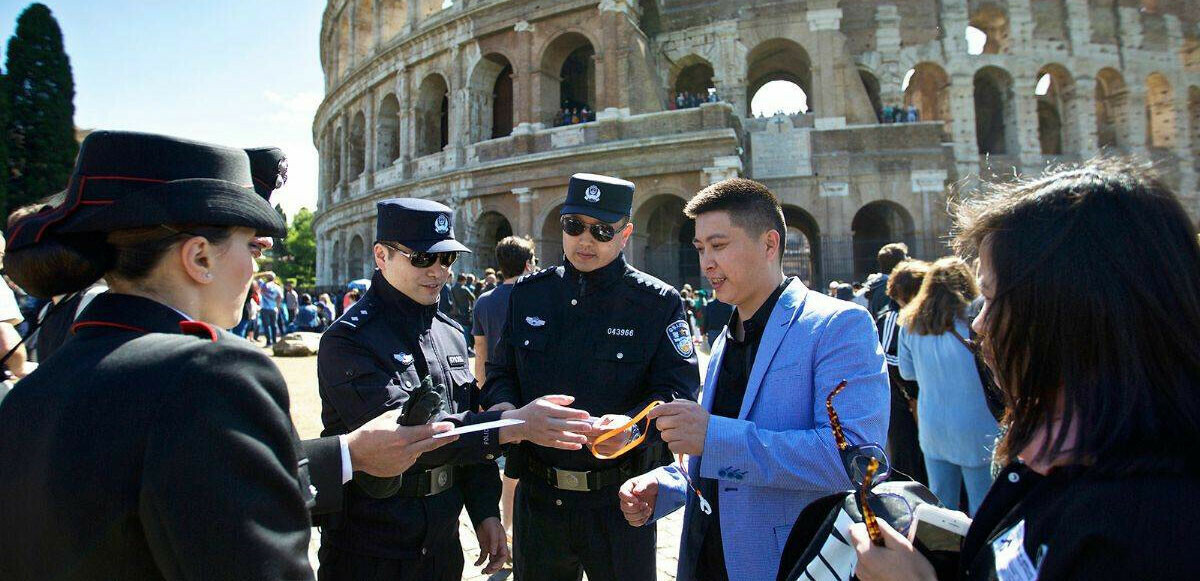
681 338
535 322
456 360
403 358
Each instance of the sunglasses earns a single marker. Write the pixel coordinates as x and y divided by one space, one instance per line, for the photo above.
425 259
856 459
572 226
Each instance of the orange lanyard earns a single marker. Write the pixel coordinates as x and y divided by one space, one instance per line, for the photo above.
704 506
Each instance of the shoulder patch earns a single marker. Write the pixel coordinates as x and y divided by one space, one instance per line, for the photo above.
681 338
199 329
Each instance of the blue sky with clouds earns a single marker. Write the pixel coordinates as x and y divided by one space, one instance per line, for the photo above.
242 73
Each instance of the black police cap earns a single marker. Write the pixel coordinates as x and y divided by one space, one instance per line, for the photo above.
604 198
421 225
127 180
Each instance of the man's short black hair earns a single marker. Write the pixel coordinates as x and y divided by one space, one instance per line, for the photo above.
512 253
750 205
891 255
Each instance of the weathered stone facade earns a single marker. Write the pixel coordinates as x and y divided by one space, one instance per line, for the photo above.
457 100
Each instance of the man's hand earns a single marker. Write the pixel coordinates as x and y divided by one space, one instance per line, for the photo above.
895 560
549 423
637 498
493 545
683 424
383 448
614 444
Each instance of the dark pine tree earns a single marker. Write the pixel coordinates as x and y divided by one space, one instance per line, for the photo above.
4 161
41 121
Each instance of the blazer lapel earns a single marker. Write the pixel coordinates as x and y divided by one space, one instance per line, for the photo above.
789 305
714 370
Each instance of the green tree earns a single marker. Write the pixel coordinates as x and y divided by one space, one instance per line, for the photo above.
300 261
4 162
41 121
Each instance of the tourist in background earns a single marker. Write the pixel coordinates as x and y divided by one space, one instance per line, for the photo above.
904 449
308 317
957 432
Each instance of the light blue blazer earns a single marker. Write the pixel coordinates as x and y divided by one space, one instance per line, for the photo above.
779 454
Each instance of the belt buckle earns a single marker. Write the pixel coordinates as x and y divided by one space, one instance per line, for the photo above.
571 480
440 479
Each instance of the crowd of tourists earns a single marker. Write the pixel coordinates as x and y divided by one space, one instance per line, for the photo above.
1048 369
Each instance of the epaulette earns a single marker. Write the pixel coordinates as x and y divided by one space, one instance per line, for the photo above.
199 329
642 281
541 274
357 314
446 319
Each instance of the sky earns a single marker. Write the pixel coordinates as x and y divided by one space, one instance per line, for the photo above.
238 73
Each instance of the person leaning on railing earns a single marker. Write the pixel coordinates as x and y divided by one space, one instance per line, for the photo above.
1091 283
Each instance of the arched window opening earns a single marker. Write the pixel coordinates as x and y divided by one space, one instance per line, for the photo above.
875 225
926 86
336 172
358 145
693 86
787 68
354 262
801 250
1058 133
871 84
569 97
491 98
490 229
364 30
337 266
990 21
388 150
995 119
1160 112
1112 116
433 115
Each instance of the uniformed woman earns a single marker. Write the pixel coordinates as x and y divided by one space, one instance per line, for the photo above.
152 444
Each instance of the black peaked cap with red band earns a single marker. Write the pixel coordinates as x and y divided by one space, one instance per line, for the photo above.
131 180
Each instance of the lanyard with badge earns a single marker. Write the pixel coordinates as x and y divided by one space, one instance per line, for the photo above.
704 506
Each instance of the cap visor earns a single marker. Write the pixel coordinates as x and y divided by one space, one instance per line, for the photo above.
443 245
192 201
602 215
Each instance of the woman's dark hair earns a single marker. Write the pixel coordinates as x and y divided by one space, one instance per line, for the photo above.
66 263
946 292
1096 304
305 299
905 280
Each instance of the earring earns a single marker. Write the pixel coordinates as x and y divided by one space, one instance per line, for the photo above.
208 275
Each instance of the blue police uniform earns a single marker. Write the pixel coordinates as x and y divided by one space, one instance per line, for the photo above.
370 360
616 339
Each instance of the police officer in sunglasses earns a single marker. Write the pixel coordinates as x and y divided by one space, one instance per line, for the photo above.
613 338
394 349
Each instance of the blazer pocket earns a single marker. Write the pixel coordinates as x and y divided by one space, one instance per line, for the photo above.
781 537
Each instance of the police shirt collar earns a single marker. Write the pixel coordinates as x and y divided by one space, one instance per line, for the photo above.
120 311
399 304
600 277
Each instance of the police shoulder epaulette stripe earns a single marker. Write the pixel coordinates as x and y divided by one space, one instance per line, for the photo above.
199 329
640 280
536 275
446 318
357 314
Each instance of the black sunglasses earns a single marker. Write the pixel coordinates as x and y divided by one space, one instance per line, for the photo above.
602 232
425 259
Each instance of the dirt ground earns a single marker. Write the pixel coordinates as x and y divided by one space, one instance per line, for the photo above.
301 376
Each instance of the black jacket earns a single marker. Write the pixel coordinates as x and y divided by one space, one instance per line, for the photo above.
152 448
603 337
369 358
1093 523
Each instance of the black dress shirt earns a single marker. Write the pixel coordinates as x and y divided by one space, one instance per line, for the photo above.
728 392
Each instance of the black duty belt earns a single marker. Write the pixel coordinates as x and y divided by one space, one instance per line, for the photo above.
427 482
580 480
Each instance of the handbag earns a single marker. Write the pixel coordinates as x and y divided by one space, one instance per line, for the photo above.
991 392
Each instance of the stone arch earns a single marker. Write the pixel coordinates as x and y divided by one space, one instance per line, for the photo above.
666 240
358 145
568 67
928 87
874 225
1058 132
991 19
338 140
432 115
995 112
387 133
364 30
802 247
692 74
354 257
343 44
778 59
871 85
1160 112
336 264
490 228
393 16
550 248
491 98
1112 109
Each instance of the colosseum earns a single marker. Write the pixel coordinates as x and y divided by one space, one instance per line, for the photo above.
490 105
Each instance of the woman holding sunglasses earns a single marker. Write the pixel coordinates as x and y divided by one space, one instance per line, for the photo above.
1091 286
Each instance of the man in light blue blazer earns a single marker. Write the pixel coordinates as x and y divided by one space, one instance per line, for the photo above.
760 443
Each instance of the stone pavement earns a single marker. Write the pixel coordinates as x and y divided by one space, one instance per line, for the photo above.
300 374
